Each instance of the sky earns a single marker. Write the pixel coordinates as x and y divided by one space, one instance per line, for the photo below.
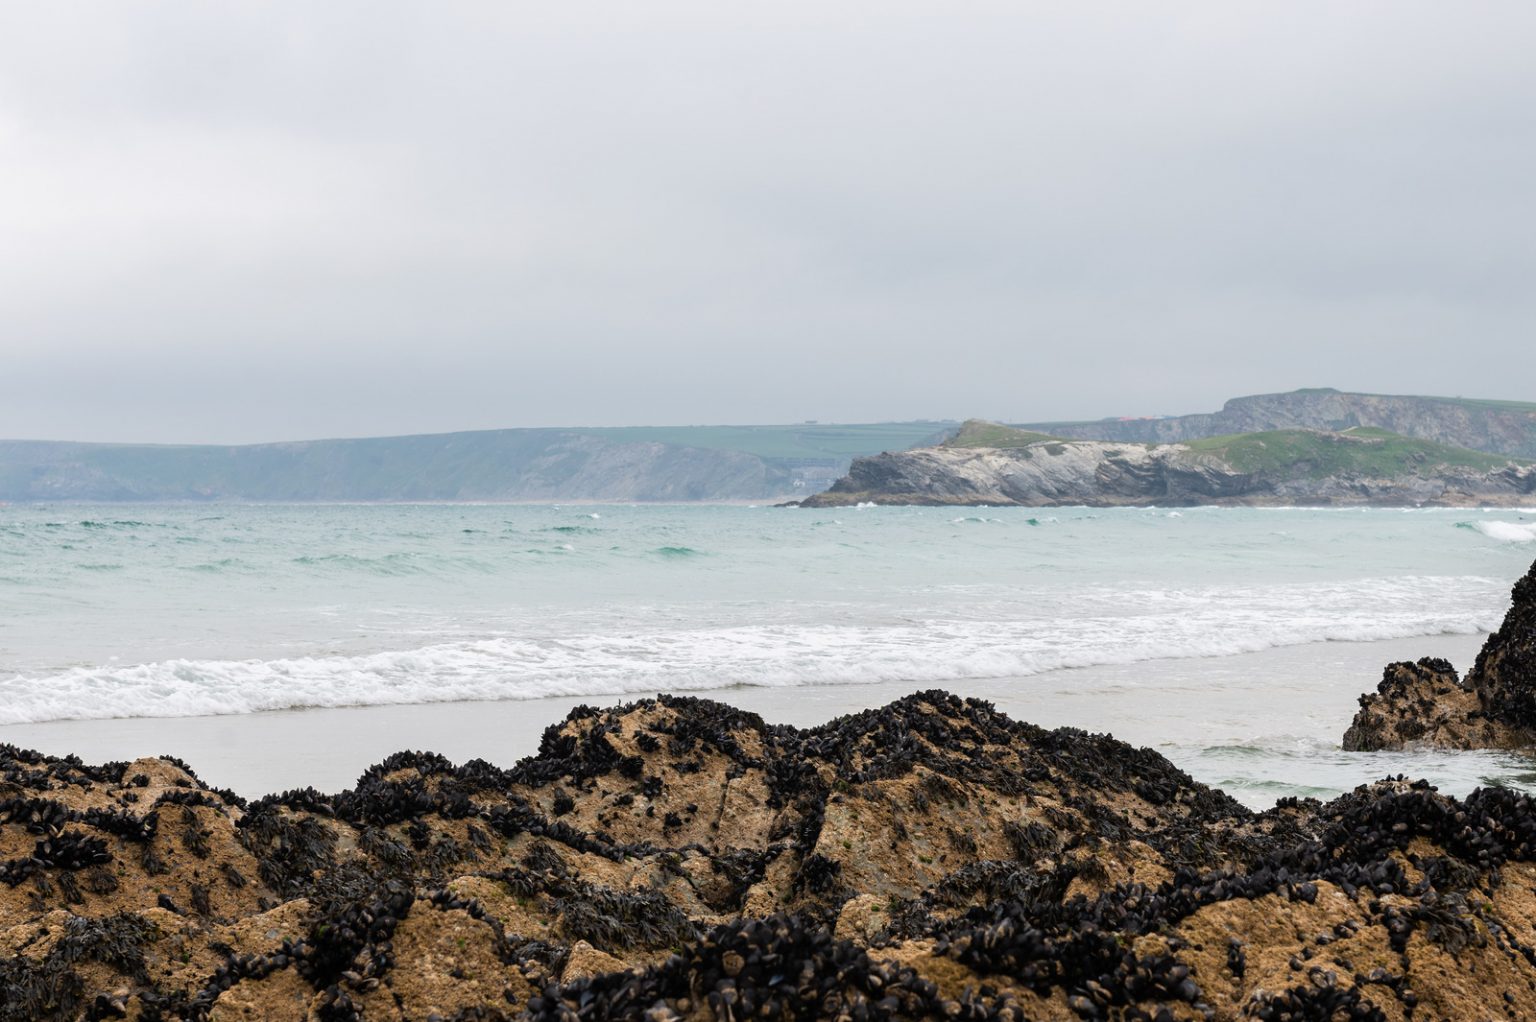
235 222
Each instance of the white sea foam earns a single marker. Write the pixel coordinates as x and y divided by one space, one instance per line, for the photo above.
1105 628
1508 532
280 607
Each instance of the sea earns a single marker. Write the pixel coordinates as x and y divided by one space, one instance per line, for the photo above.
1233 641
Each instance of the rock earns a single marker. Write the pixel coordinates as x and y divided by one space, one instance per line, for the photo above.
1425 705
994 465
862 918
1497 427
586 961
679 858
1504 675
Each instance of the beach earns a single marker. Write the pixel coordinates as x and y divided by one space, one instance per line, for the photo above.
408 762
281 646
1224 720
793 512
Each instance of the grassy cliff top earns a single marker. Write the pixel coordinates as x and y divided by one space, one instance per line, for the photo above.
1367 451
1474 405
980 433
1363 450
1485 404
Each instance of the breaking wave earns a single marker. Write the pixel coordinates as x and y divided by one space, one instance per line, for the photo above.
1504 532
937 651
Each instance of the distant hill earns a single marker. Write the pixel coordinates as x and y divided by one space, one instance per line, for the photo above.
714 463
988 463
681 463
1499 427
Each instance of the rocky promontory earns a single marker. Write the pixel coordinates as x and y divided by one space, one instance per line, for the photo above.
1499 427
986 463
1426 705
675 858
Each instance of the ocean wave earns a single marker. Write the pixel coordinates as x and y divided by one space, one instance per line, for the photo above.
389 564
215 567
619 663
1504 532
677 552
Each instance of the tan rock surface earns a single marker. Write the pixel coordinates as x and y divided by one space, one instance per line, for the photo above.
678 858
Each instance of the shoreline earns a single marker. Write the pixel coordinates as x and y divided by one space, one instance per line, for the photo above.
785 500
867 499
329 748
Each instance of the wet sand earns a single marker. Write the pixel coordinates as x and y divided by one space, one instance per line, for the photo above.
1261 724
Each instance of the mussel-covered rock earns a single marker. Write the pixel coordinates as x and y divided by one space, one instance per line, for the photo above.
1425 705
675 858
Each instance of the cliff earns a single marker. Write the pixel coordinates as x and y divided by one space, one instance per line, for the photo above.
678 859
619 464
991 464
1425 704
1499 427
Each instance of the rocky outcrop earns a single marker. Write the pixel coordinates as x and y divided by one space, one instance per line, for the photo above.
1499 427
1504 675
675 858
1053 472
1425 705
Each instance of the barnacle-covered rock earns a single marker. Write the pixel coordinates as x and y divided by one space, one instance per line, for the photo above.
676 858
1425 705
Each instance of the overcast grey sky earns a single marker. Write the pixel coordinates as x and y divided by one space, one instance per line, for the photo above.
233 222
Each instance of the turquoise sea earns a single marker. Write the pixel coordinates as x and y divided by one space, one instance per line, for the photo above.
1208 633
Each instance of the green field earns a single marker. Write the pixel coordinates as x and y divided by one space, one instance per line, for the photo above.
1316 454
1372 452
1471 404
1488 405
979 433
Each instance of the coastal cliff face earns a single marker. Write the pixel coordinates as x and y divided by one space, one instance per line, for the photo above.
1425 705
681 463
678 859
1079 472
1499 427
1297 467
528 465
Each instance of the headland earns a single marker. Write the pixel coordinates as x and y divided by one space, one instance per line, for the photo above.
992 464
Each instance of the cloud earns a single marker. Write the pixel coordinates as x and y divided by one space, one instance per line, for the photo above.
254 221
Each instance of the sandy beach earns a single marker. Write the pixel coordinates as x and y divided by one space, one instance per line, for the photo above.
1207 700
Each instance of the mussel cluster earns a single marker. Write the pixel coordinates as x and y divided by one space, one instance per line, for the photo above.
1424 704
776 968
1504 675
802 902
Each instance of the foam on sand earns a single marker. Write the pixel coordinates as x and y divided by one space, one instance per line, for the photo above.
1001 641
